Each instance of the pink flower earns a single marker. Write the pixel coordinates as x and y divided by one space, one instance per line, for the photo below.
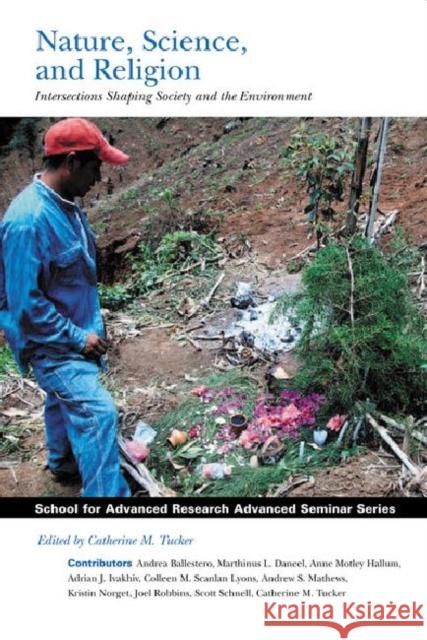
248 439
215 470
225 448
199 391
290 413
137 450
336 422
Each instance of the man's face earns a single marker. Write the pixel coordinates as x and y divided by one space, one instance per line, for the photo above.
84 175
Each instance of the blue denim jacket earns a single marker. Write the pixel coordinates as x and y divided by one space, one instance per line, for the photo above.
48 294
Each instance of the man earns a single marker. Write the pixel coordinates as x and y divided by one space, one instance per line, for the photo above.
49 305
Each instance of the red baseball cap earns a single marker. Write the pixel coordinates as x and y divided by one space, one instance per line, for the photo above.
79 134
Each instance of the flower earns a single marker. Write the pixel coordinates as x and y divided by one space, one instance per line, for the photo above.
195 431
336 422
199 391
281 416
137 450
289 414
248 439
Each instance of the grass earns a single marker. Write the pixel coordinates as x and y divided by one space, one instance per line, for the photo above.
7 363
100 227
246 481
12 437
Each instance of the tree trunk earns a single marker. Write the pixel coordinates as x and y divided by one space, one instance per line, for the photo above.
358 175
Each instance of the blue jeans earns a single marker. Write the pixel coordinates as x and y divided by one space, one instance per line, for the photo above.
81 425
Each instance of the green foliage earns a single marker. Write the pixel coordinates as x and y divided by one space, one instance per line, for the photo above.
24 136
115 297
176 251
324 163
400 254
130 194
7 363
168 197
363 336
149 267
184 246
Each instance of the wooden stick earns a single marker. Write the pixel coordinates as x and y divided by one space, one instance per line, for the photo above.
358 174
313 246
415 434
304 252
189 268
141 474
193 343
383 433
342 432
190 329
421 279
174 274
357 428
132 472
373 207
206 301
13 474
158 326
350 268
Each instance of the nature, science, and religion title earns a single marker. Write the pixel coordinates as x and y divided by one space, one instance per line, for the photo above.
114 58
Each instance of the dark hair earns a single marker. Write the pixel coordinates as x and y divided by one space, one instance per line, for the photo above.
54 162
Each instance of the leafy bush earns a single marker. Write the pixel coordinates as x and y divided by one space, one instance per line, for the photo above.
363 336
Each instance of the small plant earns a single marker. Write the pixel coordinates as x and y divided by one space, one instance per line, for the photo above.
182 246
149 266
100 227
168 197
114 297
7 363
130 194
324 163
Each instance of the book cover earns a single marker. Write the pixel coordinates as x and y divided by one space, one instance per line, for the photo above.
212 303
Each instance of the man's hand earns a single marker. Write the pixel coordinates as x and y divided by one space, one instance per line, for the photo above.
95 346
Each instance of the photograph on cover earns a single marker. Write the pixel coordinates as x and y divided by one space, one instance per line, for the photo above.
213 307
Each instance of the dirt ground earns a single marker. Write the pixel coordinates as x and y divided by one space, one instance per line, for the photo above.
367 475
233 175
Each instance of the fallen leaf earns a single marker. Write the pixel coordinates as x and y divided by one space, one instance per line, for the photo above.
187 307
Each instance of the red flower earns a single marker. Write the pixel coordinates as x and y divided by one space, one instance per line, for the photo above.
195 431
